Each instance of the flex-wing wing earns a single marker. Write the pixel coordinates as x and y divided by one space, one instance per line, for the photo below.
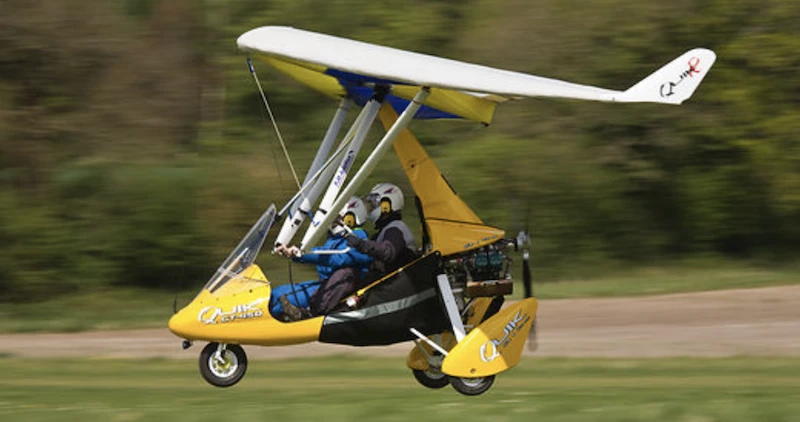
349 65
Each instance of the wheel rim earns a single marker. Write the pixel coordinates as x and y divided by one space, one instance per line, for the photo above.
473 382
433 374
224 366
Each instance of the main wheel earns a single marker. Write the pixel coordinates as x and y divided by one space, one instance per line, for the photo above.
224 369
431 378
472 386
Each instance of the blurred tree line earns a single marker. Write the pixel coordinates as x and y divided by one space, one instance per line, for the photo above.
134 150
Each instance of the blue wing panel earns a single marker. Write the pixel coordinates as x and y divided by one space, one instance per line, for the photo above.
353 83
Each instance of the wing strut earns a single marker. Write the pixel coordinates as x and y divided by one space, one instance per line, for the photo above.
318 180
316 231
323 173
330 136
291 224
369 113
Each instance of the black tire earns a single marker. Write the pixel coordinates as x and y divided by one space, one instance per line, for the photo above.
472 386
431 378
225 373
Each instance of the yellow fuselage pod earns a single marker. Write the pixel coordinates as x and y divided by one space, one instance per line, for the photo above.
238 312
495 345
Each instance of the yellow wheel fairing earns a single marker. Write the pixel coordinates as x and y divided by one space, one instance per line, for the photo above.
496 345
238 312
417 359
477 309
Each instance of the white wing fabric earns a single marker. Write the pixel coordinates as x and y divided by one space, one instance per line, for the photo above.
672 84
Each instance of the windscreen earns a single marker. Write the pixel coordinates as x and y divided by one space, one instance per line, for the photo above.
245 254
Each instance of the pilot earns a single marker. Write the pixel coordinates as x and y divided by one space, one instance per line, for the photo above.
339 274
392 246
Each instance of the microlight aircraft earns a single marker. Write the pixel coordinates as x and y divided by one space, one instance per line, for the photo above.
449 300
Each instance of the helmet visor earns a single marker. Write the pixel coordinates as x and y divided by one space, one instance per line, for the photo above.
372 201
373 204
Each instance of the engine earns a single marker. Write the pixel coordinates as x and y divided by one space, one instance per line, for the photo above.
482 272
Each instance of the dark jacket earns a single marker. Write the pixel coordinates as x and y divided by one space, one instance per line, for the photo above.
391 248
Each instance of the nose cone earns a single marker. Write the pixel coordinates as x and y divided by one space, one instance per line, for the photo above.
181 323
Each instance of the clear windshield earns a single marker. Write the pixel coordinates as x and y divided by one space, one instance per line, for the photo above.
245 254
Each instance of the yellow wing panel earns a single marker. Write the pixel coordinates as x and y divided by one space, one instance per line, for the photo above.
310 75
468 106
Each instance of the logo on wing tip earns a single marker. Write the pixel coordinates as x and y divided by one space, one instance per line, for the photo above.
668 88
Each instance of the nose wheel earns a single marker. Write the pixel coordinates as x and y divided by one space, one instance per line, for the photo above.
223 365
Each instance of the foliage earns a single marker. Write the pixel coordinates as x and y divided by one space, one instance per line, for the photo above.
132 139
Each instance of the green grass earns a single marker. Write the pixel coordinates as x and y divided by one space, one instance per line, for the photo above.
377 389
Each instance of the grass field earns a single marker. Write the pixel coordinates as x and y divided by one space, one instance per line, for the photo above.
378 389
136 308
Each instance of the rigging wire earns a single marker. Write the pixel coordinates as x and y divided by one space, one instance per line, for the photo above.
274 123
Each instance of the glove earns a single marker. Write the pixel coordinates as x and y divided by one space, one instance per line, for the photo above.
290 252
354 241
338 230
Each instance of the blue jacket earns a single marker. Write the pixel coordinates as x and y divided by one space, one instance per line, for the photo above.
327 264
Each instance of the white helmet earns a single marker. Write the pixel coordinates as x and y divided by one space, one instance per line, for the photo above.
384 198
355 207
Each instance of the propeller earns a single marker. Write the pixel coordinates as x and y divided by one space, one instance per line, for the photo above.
523 242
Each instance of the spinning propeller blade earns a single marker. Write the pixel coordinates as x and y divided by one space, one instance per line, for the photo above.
524 240
527 281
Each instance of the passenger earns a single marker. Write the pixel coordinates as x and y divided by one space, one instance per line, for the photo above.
337 272
392 246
